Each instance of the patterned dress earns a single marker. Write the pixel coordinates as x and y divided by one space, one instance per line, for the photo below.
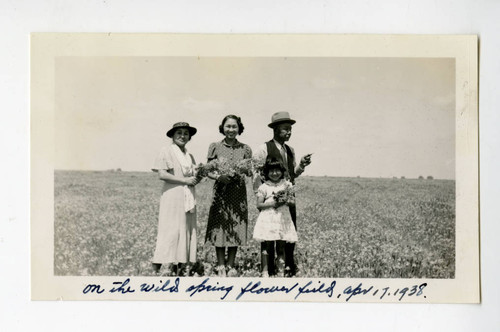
228 216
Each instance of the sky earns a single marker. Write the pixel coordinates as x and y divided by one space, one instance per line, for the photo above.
368 117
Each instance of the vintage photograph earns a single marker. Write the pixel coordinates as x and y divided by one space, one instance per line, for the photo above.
161 167
280 166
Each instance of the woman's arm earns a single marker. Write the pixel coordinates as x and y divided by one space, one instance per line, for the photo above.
212 155
166 176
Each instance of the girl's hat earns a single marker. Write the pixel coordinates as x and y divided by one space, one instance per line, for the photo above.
178 125
280 117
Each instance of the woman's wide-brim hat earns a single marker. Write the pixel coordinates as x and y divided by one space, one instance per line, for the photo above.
280 117
192 130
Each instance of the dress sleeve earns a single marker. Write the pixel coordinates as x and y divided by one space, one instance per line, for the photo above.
248 152
261 192
211 155
163 161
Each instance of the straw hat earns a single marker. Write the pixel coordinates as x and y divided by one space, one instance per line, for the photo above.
178 125
280 117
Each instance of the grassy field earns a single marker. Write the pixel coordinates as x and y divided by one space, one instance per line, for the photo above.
105 224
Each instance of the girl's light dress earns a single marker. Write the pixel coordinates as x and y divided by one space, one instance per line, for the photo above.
274 223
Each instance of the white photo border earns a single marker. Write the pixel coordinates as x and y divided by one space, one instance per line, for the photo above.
464 288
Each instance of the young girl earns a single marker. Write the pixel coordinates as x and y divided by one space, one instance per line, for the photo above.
274 222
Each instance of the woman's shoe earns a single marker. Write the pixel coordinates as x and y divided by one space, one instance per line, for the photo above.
265 274
171 270
156 268
188 269
181 270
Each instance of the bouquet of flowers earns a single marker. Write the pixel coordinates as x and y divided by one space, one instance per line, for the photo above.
223 167
245 166
201 171
285 196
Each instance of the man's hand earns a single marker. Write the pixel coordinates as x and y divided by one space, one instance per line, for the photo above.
305 160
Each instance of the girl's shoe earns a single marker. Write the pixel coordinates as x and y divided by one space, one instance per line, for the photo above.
232 272
221 271
291 271
280 267
265 274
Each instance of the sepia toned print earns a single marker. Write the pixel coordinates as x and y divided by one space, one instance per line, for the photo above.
381 204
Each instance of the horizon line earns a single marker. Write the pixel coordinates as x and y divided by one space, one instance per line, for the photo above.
403 177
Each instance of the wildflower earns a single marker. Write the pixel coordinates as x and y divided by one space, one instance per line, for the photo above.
223 167
285 196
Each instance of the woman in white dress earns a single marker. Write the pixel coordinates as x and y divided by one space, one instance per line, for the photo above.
176 240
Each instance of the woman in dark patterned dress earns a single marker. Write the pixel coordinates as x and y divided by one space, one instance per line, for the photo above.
228 216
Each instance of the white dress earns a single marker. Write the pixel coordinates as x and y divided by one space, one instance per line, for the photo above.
274 223
176 240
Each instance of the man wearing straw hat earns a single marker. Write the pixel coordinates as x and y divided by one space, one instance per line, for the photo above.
281 123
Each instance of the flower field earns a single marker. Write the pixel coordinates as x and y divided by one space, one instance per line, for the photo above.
105 224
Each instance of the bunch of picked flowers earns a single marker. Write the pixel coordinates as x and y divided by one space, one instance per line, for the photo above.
223 167
202 170
285 196
245 166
